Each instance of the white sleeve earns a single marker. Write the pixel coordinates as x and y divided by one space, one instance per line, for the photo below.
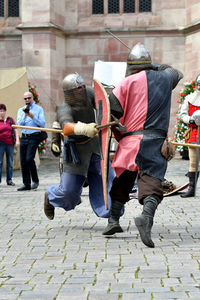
184 112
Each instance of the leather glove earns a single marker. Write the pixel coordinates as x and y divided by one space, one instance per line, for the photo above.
89 130
55 148
56 125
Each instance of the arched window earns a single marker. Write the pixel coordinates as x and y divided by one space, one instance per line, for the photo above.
120 6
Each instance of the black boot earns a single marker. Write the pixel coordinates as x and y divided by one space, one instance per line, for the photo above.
144 222
113 221
191 189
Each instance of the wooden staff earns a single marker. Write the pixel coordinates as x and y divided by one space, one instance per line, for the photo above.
38 128
60 130
185 144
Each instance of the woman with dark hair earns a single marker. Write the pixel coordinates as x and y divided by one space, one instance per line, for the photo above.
8 138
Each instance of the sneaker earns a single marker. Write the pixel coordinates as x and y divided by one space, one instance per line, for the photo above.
35 185
24 188
11 183
48 208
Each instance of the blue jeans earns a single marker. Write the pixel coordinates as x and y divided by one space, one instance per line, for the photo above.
68 193
9 150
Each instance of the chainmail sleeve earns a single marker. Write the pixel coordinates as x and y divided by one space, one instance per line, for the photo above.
176 74
56 136
64 114
90 96
115 106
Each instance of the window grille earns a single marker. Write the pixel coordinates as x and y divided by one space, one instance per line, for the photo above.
98 6
113 6
129 6
1 8
145 6
13 8
120 6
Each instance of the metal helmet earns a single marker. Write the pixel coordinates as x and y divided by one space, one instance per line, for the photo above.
138 59
74 90
72 81
197 82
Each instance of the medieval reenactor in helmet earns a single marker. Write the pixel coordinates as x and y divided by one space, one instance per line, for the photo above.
190 114
142 101
81 157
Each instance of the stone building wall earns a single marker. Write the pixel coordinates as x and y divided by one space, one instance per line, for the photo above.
88 41
56 37
43 44
10 43
192 39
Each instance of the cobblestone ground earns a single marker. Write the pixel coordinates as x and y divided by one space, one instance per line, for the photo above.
68 258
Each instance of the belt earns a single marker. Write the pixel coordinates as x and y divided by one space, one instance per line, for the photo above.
78 140
158 132
30 135
84 142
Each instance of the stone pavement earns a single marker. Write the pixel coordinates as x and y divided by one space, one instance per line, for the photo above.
68 258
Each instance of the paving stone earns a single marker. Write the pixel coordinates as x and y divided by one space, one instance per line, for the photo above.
69 258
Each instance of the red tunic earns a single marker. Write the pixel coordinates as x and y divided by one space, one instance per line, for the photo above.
6 131
145 98
193 135
135 113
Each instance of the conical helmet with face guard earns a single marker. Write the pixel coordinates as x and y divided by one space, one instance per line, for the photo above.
74 90
138 59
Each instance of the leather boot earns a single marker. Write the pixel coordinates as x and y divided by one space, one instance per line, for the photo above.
113 221
48 208
144 222
191 189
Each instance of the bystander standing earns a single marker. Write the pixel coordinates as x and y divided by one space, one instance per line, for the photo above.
8 138
31 115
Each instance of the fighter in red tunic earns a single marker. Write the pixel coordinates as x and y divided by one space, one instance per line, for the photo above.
142 101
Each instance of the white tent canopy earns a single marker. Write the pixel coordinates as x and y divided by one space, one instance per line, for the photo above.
13 84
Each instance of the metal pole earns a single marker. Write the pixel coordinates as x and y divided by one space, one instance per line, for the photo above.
117 38
197 160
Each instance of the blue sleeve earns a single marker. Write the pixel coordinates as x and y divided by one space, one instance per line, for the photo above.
21 117
39 118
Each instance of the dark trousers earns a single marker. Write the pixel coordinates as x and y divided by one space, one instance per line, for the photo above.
147 185
28 148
